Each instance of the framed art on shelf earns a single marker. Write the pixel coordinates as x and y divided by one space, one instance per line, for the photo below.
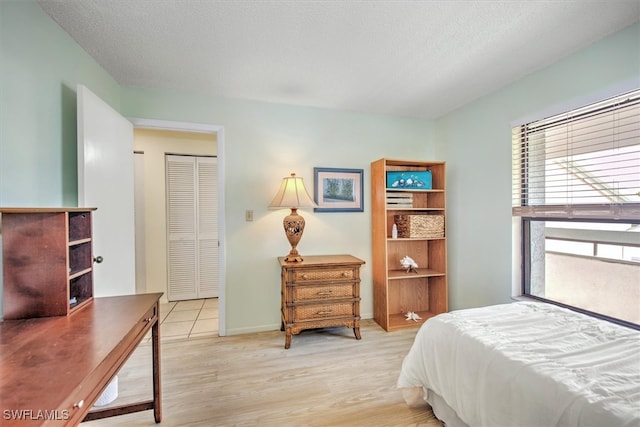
338 190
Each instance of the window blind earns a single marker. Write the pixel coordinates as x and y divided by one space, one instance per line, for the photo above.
582 164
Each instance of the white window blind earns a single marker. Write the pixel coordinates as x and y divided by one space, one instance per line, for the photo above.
583 164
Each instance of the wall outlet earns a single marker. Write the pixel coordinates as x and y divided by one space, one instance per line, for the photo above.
248 215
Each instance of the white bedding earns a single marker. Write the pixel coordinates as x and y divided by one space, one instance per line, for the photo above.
528 364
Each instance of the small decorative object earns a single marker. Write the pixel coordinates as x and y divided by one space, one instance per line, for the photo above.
399 199
338 190
415 180
420 226
412 316
409 264
394 232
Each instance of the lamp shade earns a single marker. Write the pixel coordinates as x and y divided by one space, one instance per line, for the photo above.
292 194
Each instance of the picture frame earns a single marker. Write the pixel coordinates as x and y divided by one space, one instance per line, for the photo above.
338 190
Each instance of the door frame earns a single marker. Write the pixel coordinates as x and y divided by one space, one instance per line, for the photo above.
218 131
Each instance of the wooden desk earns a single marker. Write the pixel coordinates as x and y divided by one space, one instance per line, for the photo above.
53 369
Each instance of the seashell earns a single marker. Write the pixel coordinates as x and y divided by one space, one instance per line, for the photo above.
409 264
412 316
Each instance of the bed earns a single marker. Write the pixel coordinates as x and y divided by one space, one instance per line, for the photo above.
524 364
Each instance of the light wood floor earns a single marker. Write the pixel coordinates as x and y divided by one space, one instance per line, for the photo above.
326 378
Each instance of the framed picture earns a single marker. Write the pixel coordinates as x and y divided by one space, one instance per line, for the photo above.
338 190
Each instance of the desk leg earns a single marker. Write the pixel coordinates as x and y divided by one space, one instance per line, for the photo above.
157 399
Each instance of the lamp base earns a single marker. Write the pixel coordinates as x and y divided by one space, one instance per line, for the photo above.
293 258
293 228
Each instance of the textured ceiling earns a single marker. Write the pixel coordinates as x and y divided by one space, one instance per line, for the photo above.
405 58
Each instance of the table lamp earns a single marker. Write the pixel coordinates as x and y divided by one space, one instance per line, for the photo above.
292 194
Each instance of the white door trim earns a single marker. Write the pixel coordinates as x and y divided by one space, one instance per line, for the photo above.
218 131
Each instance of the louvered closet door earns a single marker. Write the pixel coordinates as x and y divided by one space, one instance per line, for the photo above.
192 224
207 203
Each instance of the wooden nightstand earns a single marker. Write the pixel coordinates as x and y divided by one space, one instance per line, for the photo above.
319 292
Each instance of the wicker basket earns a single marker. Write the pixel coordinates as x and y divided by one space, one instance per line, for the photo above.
419 226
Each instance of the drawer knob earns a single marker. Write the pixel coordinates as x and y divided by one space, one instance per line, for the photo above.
305 276
148 319
78 405
345 274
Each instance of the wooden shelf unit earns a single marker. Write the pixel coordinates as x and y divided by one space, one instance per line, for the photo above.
395 291
47 261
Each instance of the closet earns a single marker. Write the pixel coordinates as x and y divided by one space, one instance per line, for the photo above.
192 227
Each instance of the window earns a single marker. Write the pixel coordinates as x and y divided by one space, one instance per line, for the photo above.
576 198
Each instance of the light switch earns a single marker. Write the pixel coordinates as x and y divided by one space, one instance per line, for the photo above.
248 215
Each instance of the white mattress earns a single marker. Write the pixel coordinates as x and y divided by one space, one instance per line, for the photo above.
528 364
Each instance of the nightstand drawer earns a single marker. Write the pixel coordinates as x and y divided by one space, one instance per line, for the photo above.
324 292
323 275
323 311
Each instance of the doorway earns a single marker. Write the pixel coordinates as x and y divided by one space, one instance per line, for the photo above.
155 139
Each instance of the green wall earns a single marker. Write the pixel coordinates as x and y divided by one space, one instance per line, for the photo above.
41 66
263 143
476 142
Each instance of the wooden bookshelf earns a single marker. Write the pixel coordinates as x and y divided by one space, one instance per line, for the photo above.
396 291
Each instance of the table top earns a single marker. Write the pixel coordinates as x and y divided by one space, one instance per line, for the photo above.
316 260
43 210
43 361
